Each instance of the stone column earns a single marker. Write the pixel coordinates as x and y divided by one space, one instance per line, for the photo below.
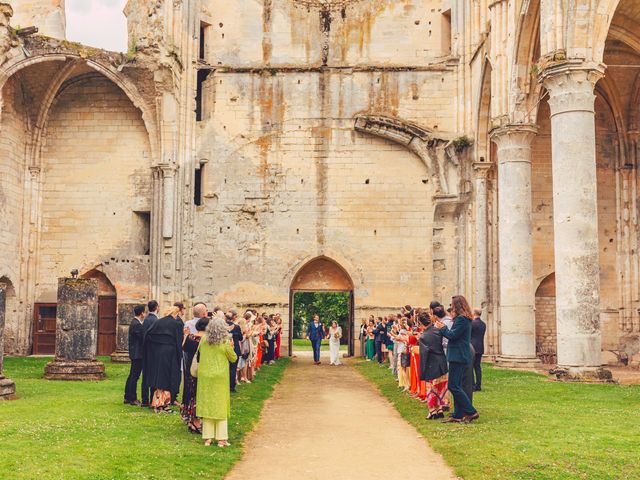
482 252
575 214
76 332
7 387
168 199
515 259
125 314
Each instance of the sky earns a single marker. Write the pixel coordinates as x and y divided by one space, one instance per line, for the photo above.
97 23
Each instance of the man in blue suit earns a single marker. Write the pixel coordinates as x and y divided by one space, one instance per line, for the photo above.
315 333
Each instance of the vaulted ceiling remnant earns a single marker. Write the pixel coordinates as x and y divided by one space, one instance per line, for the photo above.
439 152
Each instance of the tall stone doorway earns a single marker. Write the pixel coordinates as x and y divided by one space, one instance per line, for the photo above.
322 274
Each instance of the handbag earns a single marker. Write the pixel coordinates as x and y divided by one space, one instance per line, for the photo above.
193 370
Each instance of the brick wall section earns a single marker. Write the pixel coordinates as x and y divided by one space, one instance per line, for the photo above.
96 172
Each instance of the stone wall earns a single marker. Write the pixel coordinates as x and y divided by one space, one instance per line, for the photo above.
287 179
12 171
47 15
316 32
96 182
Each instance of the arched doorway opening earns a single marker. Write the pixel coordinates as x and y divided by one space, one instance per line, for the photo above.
320 276
107 313
546 329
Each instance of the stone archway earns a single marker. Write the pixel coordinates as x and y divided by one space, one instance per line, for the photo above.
546 329
322 274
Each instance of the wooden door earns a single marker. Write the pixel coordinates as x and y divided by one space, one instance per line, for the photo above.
44 329
107 325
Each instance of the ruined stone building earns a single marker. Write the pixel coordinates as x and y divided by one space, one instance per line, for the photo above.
402 150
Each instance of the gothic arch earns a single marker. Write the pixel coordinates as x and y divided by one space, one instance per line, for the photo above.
110 72
105 286
526 89
546 329
322 274
609 94
483 120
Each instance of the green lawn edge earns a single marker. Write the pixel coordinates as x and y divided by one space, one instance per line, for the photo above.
530 428
82 430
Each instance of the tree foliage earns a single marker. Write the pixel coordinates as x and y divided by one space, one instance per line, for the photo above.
329 305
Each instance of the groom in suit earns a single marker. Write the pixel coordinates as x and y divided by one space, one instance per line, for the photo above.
315 333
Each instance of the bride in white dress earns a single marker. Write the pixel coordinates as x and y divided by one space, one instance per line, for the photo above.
335 334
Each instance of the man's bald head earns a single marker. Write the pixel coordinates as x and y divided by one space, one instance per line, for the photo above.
200 310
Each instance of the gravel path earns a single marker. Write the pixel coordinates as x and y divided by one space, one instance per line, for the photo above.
328 422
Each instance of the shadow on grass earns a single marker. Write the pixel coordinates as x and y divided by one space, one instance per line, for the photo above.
82 430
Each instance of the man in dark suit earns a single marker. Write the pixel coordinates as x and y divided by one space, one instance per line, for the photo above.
478 331
136 333
380 337
149 320
236 336
315 333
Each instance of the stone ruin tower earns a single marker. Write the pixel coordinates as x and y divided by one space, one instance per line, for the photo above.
47 15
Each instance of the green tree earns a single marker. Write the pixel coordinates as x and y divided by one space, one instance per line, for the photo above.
329 305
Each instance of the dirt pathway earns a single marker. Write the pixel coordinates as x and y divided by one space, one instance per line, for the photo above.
329 423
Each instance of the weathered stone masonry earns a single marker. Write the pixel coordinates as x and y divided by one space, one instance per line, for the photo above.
427 147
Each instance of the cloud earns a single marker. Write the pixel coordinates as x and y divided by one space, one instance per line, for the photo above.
97 23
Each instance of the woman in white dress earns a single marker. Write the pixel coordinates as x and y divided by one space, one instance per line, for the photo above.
335 334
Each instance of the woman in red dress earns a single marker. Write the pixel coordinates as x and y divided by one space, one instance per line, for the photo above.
413 370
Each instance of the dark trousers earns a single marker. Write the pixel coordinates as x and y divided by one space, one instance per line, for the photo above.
233 372
462 403
146 389
379 351
316 344
131 387
477 368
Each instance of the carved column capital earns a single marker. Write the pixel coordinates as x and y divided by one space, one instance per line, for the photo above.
514 138
167 170
482 169
35 171
571 86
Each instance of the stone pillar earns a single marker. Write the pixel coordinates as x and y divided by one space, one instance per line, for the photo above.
482 252
168 199
575 214
76 332
125 314
515 259
7 387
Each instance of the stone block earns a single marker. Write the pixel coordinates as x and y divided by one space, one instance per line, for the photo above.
125 314
76 332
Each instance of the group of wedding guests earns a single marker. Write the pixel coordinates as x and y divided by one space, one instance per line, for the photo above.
433 352
209 355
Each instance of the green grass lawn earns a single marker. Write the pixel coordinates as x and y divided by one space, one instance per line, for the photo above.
531 428
72 430
304 345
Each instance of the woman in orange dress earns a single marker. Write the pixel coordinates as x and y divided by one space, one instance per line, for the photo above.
258 326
